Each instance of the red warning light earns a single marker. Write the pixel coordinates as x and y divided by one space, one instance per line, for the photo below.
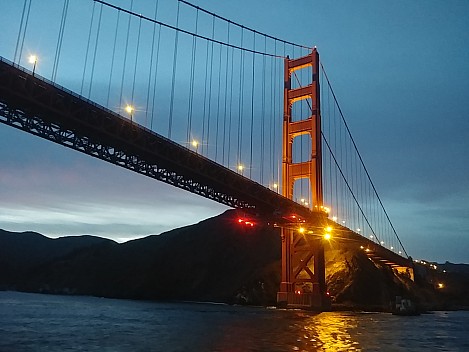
245 222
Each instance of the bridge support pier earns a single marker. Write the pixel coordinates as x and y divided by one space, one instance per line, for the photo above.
303 282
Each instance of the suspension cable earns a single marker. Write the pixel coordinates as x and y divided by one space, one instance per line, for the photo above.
213 40
361 160
244 27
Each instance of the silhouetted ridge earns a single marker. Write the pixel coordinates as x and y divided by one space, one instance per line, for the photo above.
217 259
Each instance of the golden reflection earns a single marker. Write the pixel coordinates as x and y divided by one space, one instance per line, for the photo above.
329 331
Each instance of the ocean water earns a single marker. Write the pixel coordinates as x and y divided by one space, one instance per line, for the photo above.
34 322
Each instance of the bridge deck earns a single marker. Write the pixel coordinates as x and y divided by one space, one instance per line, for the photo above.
38 106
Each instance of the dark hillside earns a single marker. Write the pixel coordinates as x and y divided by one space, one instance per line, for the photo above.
217 259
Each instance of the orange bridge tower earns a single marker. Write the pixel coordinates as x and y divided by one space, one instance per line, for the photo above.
303 266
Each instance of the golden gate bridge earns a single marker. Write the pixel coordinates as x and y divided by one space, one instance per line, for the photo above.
185 96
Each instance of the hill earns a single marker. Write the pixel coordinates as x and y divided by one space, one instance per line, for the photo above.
214 260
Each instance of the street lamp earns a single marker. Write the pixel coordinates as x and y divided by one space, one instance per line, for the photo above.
129 109
240 168
33 60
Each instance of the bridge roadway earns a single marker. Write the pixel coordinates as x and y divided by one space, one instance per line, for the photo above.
35 105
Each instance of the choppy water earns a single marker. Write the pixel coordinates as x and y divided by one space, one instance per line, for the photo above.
33 322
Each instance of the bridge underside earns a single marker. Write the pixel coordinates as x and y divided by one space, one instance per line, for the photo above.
37 106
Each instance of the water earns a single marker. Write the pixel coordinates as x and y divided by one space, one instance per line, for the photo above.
33 322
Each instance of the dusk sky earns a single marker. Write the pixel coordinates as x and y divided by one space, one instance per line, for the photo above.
400 70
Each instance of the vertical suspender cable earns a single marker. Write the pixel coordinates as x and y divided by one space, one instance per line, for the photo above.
125 58
209 115
24 30
153 105
113 59
240 109
231 106
87 50
191 80
252 106
20 30
262 121
226 95
218 103
136 62
60 39
173 84
95 49
150 74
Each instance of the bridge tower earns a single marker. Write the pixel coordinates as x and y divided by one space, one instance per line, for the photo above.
303 267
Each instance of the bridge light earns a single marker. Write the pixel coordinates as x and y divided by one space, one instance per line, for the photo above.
301 230
371 237
195 144
326 209
358 230
240 168
245 222
33 60
382 242
328 229
334 218
130 110
392 247
400 252
327 236
441 285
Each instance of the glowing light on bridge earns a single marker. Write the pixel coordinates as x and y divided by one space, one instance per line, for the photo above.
129 109
441 285
328 229
334 218
327 236
301 230
245 222
195 144
240 168
358 230
324 209
33 60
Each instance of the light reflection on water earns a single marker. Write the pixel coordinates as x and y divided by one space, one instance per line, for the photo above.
330 332
31 322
